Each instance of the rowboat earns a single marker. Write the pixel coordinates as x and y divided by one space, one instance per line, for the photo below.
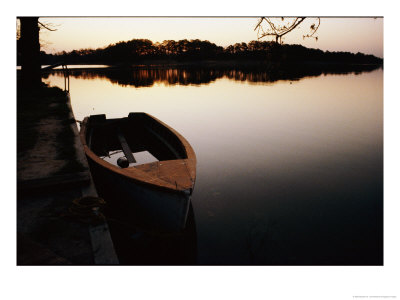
147 166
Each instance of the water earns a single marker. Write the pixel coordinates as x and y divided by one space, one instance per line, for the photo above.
74 67
289 172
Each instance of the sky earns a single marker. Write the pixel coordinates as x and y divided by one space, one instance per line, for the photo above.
334 34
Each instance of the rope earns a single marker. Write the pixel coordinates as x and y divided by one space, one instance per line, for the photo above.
87 209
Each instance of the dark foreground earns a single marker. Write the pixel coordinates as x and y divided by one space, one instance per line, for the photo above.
55 226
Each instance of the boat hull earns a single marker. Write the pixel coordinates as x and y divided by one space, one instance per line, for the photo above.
142 204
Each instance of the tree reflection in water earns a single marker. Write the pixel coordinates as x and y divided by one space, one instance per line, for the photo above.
197 75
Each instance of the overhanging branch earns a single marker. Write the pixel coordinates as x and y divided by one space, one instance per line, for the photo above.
46 26
280 30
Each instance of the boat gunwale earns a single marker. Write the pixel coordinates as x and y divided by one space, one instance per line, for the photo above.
139 176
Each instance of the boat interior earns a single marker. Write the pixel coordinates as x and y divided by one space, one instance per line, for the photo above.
139 138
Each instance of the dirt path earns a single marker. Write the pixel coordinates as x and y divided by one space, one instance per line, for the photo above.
41 161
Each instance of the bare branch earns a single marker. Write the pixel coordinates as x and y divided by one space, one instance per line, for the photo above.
259 23
46 26
281 27
313 30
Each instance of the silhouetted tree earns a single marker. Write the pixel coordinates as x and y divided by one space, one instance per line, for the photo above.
29 49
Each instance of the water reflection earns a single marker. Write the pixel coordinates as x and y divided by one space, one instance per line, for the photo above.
141 245
197 76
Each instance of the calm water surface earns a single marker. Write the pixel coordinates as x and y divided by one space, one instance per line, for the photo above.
289 172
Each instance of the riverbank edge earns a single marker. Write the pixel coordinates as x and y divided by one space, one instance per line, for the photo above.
102 244
44 196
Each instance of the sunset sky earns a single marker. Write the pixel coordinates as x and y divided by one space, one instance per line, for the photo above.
335 34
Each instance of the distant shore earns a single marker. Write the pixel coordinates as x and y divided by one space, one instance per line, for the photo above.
142 52
235 63
171 64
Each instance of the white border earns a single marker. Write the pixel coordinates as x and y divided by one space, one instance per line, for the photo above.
201 282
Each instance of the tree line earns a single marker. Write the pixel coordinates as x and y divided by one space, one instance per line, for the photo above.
143 50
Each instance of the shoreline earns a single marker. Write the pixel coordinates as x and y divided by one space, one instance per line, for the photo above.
53 175
162 64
